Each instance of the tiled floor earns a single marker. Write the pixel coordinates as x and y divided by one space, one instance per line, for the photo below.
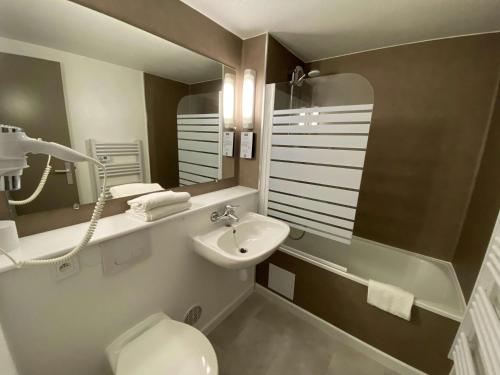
262 338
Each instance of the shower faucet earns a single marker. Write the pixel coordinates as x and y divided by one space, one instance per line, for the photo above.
228 216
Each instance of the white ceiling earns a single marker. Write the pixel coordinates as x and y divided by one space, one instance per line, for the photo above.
316 29
66 26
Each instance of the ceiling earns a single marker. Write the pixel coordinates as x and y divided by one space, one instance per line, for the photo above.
316 29
66 26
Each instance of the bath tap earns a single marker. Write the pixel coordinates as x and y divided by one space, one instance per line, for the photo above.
228 216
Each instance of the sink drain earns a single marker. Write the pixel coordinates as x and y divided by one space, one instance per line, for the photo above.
243 251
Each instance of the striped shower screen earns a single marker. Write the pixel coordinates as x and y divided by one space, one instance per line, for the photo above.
315 164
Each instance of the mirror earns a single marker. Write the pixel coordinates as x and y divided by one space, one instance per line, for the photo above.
147 108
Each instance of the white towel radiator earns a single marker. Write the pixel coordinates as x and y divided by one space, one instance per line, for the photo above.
476 348
123 160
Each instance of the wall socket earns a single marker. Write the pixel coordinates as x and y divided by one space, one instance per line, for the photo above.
63 270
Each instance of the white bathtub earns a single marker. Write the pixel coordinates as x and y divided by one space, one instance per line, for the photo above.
432 281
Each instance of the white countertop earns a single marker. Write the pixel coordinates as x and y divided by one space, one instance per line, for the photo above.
58 241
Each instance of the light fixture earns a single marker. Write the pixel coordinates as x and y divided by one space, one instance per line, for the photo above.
248 100
228 100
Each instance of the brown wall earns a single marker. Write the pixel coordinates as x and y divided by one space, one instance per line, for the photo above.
432 105
203 98
38 85
175 21
483 209
280 62
205 87
423 342
253 57
162 98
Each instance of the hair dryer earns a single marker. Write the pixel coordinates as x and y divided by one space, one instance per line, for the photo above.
14 145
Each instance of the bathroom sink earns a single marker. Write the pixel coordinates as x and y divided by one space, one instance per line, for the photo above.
244 244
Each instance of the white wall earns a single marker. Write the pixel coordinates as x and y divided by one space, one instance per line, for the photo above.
103 101
62 328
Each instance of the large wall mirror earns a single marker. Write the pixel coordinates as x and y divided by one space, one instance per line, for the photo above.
149 109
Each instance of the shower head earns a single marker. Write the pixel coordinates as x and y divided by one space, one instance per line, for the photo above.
298 75
313 73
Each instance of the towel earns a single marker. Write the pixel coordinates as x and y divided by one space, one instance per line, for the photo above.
390 298
159 212
133 189
148 202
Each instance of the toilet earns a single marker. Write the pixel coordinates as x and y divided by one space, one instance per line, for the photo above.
158 346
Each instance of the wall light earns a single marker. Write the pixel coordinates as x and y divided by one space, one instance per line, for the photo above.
248 100
228 100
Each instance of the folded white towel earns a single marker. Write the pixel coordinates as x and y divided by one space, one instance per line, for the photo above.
162 198
390 298
133 189
159 212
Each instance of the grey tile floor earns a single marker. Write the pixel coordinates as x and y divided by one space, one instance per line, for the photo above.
262 338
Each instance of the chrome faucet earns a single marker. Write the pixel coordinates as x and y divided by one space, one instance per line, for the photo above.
228 216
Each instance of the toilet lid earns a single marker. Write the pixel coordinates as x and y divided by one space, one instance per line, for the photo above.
167 348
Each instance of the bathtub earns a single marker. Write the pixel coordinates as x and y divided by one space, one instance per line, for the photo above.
432 281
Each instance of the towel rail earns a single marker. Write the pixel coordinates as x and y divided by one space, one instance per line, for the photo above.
123 160
462 360
489 313
467 355
457 358
480 328
484 349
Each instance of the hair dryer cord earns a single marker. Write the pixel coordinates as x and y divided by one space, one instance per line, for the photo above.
38 190
96 215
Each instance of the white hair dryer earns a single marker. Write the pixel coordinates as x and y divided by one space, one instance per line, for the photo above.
14 145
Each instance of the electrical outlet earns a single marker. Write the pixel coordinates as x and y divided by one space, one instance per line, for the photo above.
63 270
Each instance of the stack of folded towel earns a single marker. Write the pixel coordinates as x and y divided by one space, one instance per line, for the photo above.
154 206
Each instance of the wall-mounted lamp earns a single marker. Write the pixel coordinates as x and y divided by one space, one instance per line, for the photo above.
248 100
228 100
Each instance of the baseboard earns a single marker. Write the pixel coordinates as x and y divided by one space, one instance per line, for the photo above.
345 338
215 321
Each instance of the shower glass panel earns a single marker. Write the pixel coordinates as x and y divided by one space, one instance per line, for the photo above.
316 139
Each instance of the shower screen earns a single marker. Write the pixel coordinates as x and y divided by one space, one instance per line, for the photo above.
315 139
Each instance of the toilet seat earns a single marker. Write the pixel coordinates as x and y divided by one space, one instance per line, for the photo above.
167 347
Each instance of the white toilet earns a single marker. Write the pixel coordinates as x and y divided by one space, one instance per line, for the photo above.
159 346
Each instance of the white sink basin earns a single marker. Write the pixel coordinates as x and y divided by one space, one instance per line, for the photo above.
255 238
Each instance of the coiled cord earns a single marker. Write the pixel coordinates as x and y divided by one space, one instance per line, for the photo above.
39 188
96 215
